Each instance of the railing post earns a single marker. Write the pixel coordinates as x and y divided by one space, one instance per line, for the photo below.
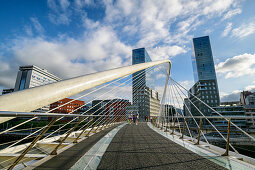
199 131
32 144
84 129
93 126
228 138
54 152
173 127
166 127
183 128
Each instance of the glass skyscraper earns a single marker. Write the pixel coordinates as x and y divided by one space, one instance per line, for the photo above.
205 87
202 59
142 83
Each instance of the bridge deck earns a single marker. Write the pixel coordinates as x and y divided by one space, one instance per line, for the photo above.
69 157
139 147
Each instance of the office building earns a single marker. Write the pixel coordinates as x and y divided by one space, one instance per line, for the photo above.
171 113
205 87
243 96
154 103
186 107
72 107
142 83
229 111
250 112
131 110
33 76
117 108
110 107
247 99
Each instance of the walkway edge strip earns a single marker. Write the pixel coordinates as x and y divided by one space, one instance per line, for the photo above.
92 158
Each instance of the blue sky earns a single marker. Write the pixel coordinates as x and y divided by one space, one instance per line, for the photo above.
72 38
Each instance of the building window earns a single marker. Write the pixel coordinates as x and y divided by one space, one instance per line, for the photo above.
23 80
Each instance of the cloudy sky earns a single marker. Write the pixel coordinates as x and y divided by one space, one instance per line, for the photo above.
72 38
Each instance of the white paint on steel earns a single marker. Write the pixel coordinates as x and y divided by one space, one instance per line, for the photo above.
30 99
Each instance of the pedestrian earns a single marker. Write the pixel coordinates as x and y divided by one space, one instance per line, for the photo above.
129 118
134 118
137 118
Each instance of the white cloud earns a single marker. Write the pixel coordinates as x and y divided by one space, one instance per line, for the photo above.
186 84
38 27
149 22
28 30
217 6
227 30
165 52
234 96
110 92
232 13
237 66
244 30
59 14
99 50
250 88
160 76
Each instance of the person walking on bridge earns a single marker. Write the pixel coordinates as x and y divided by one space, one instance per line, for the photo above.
137 118
129 118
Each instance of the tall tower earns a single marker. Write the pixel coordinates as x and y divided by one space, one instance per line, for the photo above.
205 87
142 83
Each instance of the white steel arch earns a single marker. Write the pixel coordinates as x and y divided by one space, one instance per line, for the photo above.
37 97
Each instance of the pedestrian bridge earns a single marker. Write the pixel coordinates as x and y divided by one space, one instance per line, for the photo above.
100 137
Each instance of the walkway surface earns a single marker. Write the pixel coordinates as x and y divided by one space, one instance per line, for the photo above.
69 157
139 147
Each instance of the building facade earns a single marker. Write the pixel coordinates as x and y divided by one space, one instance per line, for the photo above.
117 108
72 107
205 87
230 111
247 99
154 103
142 83
243 96
33 76
250 112
110 107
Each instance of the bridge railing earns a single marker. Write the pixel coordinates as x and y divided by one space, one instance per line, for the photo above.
231 133
193 124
